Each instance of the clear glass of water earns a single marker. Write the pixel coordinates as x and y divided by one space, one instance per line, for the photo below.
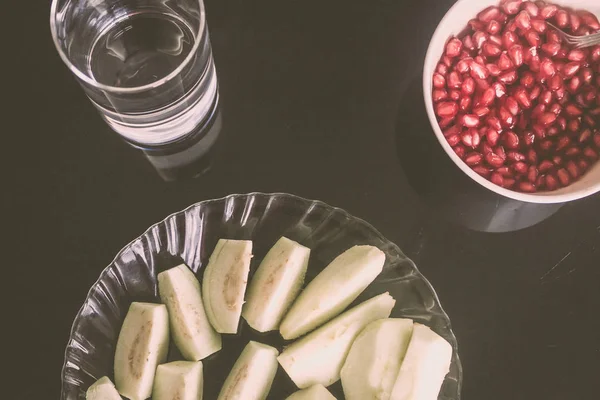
146 65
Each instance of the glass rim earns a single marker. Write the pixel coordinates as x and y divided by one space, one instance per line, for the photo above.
123 90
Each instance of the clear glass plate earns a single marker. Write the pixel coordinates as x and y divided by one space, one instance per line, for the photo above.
191 235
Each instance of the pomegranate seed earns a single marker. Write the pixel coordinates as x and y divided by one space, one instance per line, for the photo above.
575 21
597 139
520 167
573 111
439 94
494 123
454 95
535 93
523 20
511 140
494 160
512 105
537 111
453 130
493 69
439 81
515 156
497 179
459 151
553 130
506 117
463 66
546 97
468 86
589 19
538 25
508 78
511 7
548 11
532 156
486 148
491 49
453 47
541 181
482 84
574 125
473 158
478 71
572 151
508 183
527 79
551 182
551 48
563 176
547 68
481 111
516 54
573 169
571 69
447 109
590 153
504 62
479 38
589 120
476 25
547 118
562 19
499 150
583 165
587 75
527 187
447 60
489 14
494 27
504 171
553 37
509 39
532 174
468 43
470 120
499 89
533 38
545 166
560 92
529 138
464 104
576 55
555 83
562 143
522 97
454 80
531 8
556 109
453 140
574 84
466 138
487 97
596 53
496 39
483 171
595 111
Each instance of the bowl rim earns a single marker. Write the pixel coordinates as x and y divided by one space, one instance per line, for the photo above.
312 203
541 198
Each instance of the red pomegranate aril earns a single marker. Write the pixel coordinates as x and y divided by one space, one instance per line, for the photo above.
499 90
576 55
489 14
439 94
483 171
509 183
504 171
551 48
493 27
531 8
579 99
541 182
573 111
480 59
529 138
448 61
482 84
535 93
447 109
597 139
459 151
470 120
572 151
439 81
496 39
571 69
453 47
453 140
546 97
590 153
516 54
551 182
546 145
548 11
491 49
497 179
562 19
468 86
494 123
595 111
515 156
560 93
556 109
473 158
527 187
522 97
463 65
454 80
573 169
494 160
562 143
574 84
523 20
532 174
538 25
442 69
504 62
589 19
445 122
509 39
527 79
553 130
499 150
486 148
487 97
532 156
533 38
512 7
595 54
506 118
589 97
555 83
523 121
583 165
508 78
511 140
454 95
493 69
512 105
589 120
574 125
464 104
575 21
468 43
476 24
466 138
520 167
479 38
587 75
481 111
563 176
545 166
547 68
453 130
553 37
547 118
478 71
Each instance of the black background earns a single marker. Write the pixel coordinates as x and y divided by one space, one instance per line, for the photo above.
312 92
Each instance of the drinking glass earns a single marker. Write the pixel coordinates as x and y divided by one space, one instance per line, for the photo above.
146 65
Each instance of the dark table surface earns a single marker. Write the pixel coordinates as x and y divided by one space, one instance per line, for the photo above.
321 99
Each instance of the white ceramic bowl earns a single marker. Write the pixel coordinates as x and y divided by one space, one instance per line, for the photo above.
455 20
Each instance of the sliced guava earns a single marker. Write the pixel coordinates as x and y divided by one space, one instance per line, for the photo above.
374 359
191 330
142 345
425 365
224 283
319 356
252 374
330 292
102 389
315 392
178 380
275 285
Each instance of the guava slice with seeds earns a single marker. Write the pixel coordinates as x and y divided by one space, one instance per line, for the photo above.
102 389
178 380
